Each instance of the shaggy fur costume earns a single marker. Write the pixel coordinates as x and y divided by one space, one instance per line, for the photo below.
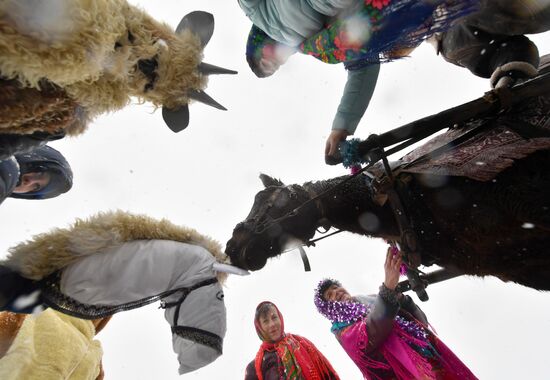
52 251
50 346
10 323
48 110
93 51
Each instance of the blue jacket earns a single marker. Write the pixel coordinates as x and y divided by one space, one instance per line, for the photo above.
9 176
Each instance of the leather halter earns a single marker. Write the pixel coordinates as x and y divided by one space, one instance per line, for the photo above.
258 228
269 221
408 237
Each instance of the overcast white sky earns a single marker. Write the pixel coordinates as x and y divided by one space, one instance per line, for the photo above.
206 176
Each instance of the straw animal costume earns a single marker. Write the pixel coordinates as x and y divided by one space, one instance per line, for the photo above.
64 62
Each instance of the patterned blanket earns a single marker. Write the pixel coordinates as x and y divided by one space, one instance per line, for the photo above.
480 150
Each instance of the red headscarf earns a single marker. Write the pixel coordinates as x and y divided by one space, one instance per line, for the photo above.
296 356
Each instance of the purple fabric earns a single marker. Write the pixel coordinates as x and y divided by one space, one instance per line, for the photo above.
399 357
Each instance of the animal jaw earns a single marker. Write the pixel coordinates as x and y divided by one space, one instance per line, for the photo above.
252 252
242 249
270 228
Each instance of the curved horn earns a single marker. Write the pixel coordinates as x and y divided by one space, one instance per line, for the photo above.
203 97
208 69
177 120
200 23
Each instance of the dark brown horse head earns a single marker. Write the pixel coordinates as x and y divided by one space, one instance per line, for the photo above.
272 225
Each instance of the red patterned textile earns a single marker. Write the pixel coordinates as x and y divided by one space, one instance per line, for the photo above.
298 358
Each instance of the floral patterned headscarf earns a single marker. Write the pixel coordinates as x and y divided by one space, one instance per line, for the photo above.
260 46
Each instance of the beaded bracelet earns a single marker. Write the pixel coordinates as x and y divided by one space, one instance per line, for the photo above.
388 295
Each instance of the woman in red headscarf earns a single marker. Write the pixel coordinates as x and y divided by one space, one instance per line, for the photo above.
284 356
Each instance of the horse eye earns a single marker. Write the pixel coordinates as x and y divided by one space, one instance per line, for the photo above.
293 195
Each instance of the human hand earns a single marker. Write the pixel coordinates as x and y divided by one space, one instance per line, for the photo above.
392 268
333 140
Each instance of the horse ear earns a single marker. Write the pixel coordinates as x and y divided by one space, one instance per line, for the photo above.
270 181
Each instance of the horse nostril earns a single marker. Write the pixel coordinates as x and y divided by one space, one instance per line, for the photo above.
258 263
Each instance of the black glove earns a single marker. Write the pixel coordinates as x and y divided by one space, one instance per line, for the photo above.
17 293
11 144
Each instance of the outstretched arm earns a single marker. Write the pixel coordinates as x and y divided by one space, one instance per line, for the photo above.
358 92
379 323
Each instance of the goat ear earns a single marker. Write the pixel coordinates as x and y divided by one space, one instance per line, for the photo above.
177 120
200 23
270 181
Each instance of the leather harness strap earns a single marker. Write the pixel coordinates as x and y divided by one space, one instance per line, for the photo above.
409 240
194 334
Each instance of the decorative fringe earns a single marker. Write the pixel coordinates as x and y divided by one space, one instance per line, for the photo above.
404 355
452 364
384 32
420 362
349 150
401 34
298 358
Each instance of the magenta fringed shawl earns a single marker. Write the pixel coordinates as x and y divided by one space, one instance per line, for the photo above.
400 357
